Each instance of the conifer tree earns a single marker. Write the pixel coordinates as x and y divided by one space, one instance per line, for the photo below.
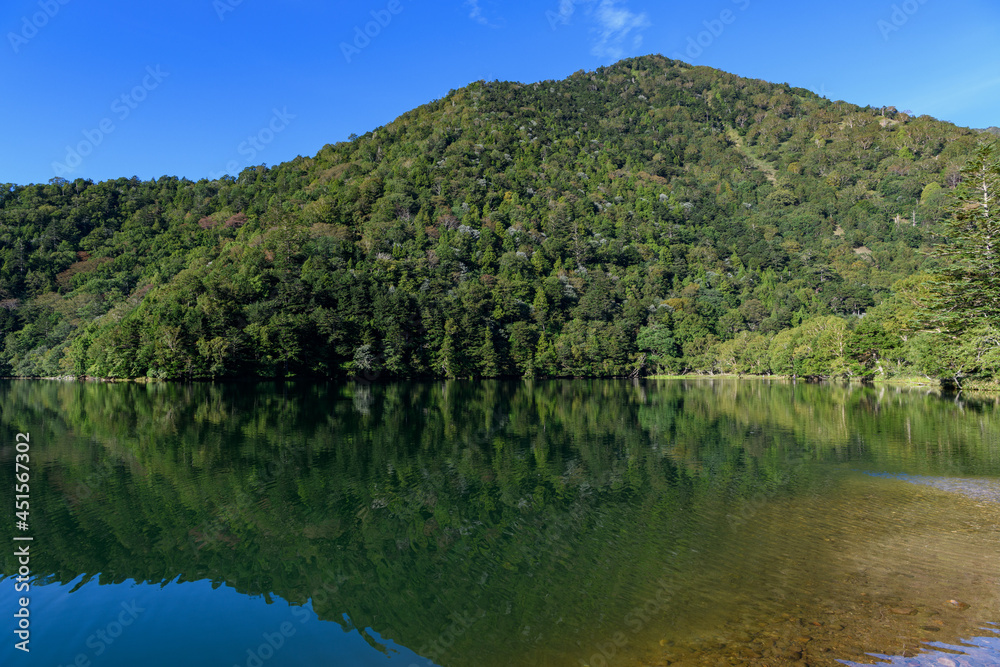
966 286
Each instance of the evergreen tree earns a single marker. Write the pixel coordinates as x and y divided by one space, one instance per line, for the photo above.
966 286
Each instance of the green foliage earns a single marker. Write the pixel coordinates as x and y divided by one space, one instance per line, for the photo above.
505 230
961 298
967 285
868 345
659 343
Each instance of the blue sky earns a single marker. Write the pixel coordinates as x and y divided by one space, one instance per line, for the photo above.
198 88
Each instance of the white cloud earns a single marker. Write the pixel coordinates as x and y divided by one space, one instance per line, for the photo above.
618 28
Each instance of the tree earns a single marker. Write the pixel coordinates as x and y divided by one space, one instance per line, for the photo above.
868 345
658 341
966 287
447 361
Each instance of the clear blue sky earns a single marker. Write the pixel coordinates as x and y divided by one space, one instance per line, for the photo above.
179 88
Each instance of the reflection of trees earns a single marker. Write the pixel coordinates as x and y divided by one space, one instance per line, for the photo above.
527 504
889 426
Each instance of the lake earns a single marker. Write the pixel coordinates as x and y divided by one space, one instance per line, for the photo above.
577 522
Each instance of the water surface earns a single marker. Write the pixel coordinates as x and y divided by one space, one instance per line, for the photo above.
520 523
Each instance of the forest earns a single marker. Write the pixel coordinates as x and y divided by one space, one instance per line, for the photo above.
648 217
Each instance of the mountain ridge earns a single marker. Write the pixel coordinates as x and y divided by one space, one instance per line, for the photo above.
620 221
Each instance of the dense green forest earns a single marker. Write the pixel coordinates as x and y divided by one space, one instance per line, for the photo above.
646 217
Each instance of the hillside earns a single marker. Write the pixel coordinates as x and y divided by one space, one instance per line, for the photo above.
647 216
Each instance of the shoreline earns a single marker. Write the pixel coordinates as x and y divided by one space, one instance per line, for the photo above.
972 386
907 381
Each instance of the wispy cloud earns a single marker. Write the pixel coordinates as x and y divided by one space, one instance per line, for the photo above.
618 28
479 14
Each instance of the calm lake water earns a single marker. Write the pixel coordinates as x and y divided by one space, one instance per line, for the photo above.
504 523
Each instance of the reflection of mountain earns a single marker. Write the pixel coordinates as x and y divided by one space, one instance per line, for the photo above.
454 519
129 624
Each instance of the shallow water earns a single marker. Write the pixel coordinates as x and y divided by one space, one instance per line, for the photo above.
547 523
980 489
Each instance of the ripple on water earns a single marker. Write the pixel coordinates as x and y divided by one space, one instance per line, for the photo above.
976 488
975 652
869 571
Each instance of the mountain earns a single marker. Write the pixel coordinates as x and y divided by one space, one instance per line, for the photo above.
646 216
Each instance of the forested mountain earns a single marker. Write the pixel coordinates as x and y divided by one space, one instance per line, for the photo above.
645 217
